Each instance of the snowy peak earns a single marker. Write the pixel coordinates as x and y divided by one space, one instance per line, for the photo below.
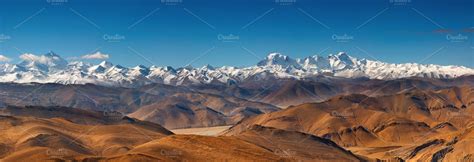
314 62
78 65
166 69
51 54
140 70
12 68
343 57
332 62
140 67
106 64
101 67
341 61
276 56
207 67
277 59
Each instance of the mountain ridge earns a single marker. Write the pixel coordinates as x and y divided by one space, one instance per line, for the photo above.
51 68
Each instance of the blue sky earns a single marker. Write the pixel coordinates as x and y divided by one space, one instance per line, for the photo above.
239 33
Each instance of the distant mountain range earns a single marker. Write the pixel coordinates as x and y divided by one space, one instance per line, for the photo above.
51 68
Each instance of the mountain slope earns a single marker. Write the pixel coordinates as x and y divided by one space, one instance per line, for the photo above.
183 110
296 145
32 135
392 126
287 92
67 134
170 106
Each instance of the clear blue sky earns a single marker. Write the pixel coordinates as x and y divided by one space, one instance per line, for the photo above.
178 32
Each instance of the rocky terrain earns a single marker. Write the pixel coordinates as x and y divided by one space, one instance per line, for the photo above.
410 125
80 135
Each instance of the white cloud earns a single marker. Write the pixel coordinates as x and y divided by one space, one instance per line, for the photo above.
4 59
31 57
50 59
98 55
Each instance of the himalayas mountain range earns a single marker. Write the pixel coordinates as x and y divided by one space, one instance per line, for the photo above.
52 68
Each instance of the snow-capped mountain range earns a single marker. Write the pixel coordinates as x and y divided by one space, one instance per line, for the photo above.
51 68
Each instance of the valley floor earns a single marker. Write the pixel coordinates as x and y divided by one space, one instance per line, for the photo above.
205 131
